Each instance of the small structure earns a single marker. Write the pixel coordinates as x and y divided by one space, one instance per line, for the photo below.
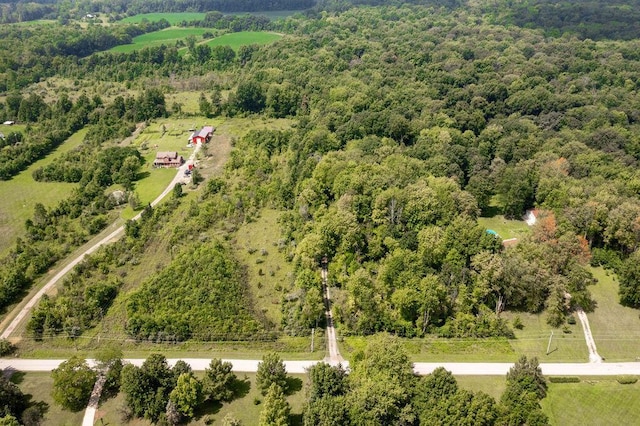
531 216
9 123
201 136
168 159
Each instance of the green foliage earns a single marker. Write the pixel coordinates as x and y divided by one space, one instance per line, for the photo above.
526 386
218 381
175 305
627 380
73 382
564 379
629 290
326 381
271 371
187 394
6 347
275 411
13 400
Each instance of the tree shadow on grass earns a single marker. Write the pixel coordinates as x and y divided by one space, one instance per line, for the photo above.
295 419
241 387
294 385
16 377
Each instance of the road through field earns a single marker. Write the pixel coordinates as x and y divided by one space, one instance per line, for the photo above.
109 238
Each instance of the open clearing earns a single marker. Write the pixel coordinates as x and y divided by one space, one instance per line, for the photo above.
615 328
168 37
236 40
172 18
21 193
506 228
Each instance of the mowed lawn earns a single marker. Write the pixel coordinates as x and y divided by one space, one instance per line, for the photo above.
172 18
168 36
601 401
22 192
615 328
38 386
506 228
244 38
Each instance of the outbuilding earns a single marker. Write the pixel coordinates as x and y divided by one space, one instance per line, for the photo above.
202 136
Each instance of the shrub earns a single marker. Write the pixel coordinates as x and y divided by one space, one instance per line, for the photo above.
6 347
627 380
571 320
564 379
517 323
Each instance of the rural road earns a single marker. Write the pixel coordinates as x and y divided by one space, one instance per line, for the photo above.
332 343
422 368
109 238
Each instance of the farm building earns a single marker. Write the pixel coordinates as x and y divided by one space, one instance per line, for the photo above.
202 136
168 159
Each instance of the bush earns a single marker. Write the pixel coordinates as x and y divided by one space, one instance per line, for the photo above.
564 379
6 347
627 380
571 320
517 323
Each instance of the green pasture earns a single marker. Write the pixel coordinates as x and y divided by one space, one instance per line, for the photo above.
172 18
506 228
274 15
615 328
38 386
21 193
244 38
167 37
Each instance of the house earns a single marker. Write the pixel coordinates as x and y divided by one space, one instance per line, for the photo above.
531 216
201 136
168 159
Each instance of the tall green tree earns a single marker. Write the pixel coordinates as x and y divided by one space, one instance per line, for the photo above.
271 371
275 411
73 382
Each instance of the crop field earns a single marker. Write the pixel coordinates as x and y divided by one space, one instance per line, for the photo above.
615 328
167 36
172 18
21 193
236 40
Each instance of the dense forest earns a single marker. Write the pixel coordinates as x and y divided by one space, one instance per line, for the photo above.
411 122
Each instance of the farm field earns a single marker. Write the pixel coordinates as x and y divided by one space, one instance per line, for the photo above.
615 328
172 18
236 40
21 193
167 36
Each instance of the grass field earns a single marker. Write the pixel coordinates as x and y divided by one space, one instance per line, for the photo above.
601 401
38 386
242 408
615 328
491 385
172 18
506 228
21 193
269 274
236 40
167 37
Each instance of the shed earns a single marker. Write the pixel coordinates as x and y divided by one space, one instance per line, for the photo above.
202 136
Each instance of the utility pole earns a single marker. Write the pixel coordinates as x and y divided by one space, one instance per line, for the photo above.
313 330
549 345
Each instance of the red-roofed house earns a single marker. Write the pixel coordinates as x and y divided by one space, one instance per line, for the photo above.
202 136
168 159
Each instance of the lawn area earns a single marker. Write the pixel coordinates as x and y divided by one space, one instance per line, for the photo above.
506 228
242 408
236 40
172 18
21 193
615 328
268 273
491 385
532 340
601 401
168 37
38 386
